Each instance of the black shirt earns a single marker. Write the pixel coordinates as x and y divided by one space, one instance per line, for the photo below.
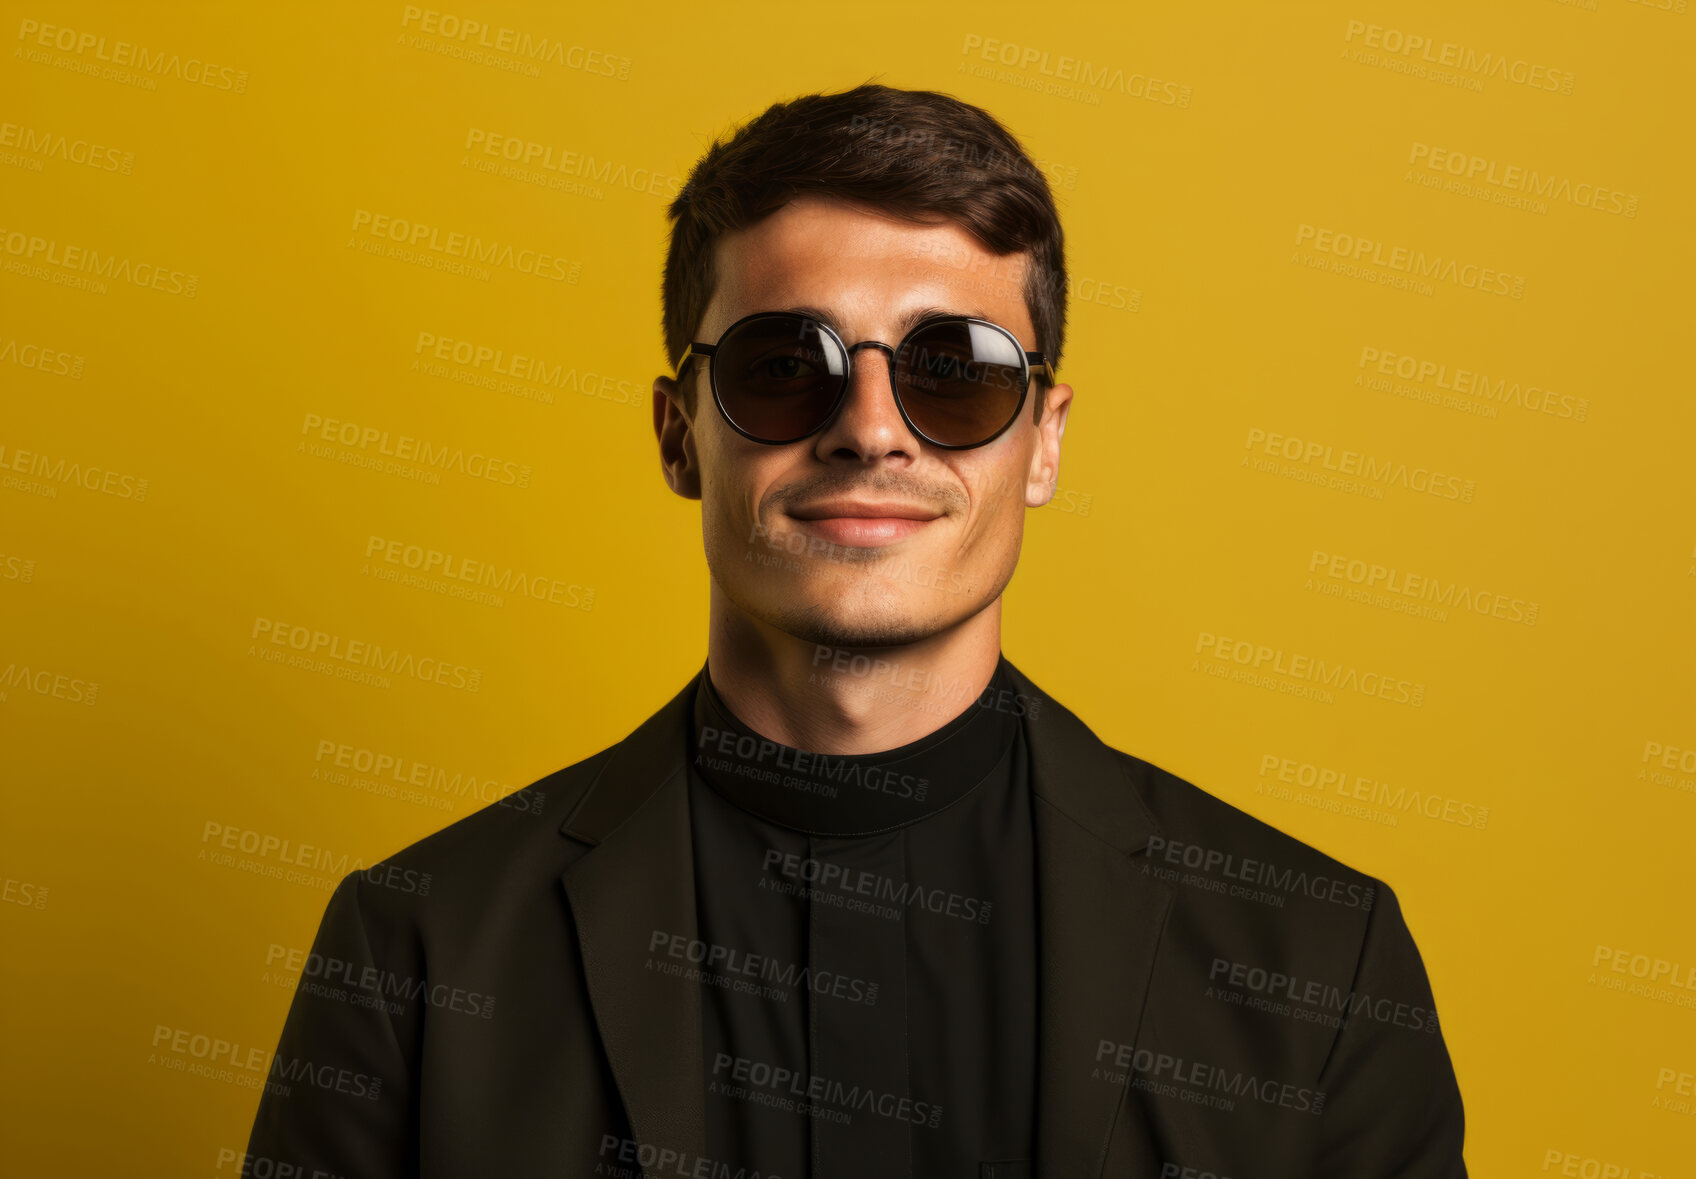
867 932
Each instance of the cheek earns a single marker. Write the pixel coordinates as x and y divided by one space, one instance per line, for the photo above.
725 519
995 521
730 507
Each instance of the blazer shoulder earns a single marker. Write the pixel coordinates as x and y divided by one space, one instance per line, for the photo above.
501 833
1305 963
430 899
1194 822
1253 885
1248 892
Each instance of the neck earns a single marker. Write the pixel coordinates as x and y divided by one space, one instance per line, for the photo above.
847 700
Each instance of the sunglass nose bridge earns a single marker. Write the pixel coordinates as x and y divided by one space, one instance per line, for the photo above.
878 344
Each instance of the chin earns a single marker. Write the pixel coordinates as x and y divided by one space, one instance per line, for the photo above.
823 607
828 627
850 609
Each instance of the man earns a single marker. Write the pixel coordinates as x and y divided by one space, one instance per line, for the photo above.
861 899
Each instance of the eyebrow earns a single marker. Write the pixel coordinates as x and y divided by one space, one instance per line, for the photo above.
902 326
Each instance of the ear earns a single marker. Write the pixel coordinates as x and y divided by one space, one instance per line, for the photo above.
1043 477
676 436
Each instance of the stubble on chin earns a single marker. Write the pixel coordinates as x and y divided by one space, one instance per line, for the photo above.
823 626
830 604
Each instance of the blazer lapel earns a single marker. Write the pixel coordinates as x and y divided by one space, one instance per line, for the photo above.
639 877
1099 921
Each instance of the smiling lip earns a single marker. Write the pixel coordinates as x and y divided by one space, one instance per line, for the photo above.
854 522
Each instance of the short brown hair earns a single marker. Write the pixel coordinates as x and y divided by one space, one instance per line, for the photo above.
918 155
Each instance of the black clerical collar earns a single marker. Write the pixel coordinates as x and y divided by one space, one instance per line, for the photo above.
834 794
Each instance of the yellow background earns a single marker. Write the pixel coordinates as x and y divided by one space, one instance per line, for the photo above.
1204 321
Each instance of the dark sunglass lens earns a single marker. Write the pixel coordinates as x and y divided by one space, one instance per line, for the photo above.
961 383
778 376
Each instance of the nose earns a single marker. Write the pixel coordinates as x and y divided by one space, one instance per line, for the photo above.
868 424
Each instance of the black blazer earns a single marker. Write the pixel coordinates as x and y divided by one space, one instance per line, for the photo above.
1216 997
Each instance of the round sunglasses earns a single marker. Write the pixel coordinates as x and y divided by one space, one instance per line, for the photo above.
780 376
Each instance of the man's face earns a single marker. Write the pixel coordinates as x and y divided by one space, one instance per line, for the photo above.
862 534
